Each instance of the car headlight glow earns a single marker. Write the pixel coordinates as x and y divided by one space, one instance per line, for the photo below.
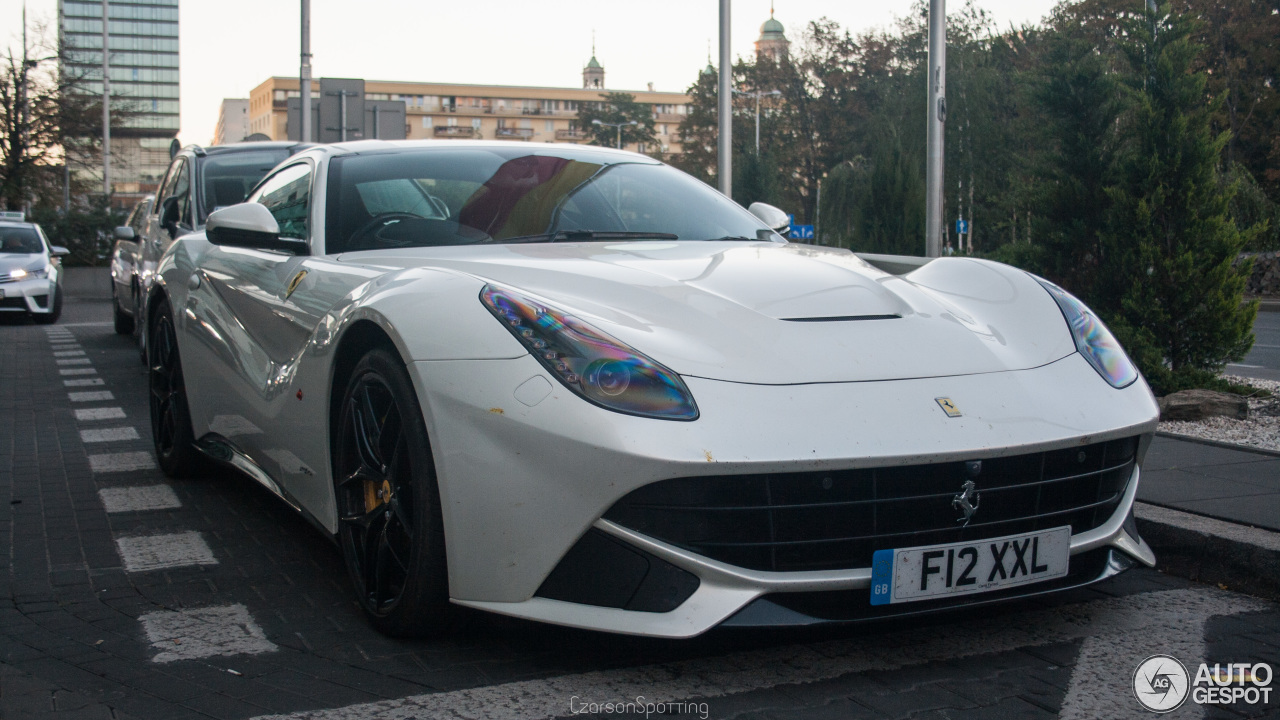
17 274
600 369
22 274
1094 341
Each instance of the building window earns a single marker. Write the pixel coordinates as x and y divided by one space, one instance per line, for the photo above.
426 121
662 128
549 126
475 123
453 122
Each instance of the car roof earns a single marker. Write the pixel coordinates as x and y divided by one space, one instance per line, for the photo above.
15 223
199 150
372 146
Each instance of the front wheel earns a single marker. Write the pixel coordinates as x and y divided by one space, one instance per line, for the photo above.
170 417
123 323
390 527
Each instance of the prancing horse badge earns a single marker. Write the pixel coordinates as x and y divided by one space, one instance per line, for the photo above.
948 407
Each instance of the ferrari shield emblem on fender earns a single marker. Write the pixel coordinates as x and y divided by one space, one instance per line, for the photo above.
293 284
948 407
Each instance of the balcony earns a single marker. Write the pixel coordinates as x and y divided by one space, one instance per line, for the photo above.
454 131
510 133
571 135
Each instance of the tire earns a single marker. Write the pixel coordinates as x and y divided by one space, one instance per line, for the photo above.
139 334
51 318
389 521
123 323
170 416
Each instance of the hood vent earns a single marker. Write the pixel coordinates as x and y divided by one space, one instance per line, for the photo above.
843 318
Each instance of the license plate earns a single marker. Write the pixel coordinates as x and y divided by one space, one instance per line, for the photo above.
965 568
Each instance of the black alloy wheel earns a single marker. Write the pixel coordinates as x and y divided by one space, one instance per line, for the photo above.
170 416
390 526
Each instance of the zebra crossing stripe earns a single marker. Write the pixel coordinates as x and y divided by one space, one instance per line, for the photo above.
106 413
121 462
114 434
144 553
204 632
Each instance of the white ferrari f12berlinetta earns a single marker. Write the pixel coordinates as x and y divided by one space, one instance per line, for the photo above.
578 386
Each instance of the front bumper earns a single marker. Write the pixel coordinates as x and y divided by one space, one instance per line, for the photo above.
526 468
35 296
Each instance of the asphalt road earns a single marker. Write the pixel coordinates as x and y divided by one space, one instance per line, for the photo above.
1263 361
126 595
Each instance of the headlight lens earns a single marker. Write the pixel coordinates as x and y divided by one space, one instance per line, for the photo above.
1094 341
600 369
21 274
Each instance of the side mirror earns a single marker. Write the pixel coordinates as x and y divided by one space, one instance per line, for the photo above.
770 215
58 251
124 232
250 225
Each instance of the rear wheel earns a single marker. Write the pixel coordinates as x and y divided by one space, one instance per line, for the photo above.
170 417
390 527
123 323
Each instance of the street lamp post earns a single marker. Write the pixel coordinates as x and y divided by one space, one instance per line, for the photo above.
937 118
724 105
619 126
106 102
757 94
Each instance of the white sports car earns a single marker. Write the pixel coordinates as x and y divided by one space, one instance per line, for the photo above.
578 386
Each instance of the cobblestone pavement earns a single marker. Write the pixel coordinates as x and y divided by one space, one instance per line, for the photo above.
125 595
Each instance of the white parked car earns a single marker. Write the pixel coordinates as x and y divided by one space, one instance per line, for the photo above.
578 386
30 270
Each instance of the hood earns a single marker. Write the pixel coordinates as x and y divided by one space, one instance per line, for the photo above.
25 261
775 313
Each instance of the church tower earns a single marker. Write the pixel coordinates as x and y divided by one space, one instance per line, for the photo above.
593 73
772 43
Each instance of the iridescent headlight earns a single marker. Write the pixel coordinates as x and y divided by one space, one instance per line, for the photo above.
1094 341
600 369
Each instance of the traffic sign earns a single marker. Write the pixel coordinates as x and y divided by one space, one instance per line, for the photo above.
801 232
962 226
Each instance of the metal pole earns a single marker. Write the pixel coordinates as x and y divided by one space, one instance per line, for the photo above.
937 117
304 75
375 121
342 125
724 147
619 136
106 104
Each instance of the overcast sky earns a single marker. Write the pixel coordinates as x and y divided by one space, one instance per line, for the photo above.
230 46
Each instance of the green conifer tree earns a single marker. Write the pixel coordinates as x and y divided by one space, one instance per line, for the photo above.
1171 244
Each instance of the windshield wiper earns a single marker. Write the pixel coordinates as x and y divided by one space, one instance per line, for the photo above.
571 235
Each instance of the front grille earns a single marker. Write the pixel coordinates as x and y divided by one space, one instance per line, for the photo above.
16 303
837 519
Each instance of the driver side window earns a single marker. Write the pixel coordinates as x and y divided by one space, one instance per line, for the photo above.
287 195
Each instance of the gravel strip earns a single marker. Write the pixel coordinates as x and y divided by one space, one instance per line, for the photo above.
1260 430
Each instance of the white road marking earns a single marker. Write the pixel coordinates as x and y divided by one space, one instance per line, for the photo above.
90 382
72 361
142 553
91 396
78 371
86 324
109 434
138 499
67 353
63 344
204 632
1243 365
1146 617
106 413
121 462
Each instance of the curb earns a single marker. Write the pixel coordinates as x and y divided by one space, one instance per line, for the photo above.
1217 443
1241 558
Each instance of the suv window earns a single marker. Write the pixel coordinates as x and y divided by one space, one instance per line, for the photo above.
287 194
20 241
226 178
175 203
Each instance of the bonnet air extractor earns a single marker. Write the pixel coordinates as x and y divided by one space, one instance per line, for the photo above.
842 318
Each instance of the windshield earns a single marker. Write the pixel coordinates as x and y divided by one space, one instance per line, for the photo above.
229 177
476 195
20 241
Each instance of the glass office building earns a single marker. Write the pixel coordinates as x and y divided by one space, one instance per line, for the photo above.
143 46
